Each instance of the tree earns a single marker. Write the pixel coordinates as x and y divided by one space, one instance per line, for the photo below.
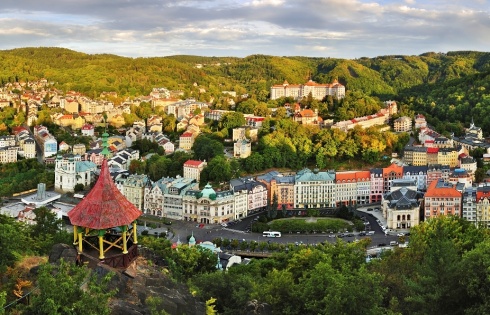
262 110
79 187
280 113
232 120
68 289
137 167
217 170
169 123
206 148
13 242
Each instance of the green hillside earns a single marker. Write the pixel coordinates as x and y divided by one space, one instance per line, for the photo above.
448 87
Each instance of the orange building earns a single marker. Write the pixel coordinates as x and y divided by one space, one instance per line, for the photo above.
442 198
390 173
353 187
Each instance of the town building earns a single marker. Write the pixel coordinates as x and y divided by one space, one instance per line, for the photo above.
401 206
186 141
376 185
133 188
47 142
417 174
482 213
208 206
70 171
173 197
245 133
8 154
462 176
298 91
256 192
242 149
314 189
389 174
469 204
193 169
420 121
402 124
154 195
79 149
442 198
352 187
307 116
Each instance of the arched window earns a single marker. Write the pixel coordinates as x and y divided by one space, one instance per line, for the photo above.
408 217
398 217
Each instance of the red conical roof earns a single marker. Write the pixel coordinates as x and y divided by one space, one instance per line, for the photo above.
105 206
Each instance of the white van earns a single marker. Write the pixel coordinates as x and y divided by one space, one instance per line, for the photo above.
393 243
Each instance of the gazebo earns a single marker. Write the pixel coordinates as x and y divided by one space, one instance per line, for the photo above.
104 223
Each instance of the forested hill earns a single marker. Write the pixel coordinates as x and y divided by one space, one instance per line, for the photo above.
384 75
447 86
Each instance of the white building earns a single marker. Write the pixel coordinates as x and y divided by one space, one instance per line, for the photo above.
298 91
193 169
314 189
72 171
242 149
257 194
208 206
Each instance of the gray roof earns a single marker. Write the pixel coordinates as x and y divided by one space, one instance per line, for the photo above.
403 199
268 176
245 184
306 175
415 169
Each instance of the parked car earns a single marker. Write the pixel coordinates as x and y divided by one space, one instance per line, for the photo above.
370 209
393 243
400 234
370 233
362 233
381 244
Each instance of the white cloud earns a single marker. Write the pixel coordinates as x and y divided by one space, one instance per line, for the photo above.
341 28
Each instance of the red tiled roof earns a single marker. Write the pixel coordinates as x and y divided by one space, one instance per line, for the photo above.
105 206
434 191
432 150
193 163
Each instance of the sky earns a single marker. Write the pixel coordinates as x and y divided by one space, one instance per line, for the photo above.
345 29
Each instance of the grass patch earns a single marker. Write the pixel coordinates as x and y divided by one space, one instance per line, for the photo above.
324 225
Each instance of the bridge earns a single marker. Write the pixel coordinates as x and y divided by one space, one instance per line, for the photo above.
244 253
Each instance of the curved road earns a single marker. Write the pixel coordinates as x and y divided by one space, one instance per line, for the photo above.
208 232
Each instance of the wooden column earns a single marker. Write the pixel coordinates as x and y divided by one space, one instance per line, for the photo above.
135 233
101 244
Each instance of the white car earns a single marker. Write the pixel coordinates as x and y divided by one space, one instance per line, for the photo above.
400 234
370 233
224 224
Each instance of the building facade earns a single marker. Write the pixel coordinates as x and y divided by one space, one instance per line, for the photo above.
442 198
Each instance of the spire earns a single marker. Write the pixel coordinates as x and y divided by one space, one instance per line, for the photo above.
105 151
192 240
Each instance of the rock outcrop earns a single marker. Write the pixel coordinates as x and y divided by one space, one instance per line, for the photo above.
139 284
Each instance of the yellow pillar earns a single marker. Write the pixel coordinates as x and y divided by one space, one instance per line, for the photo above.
125 243
80 242
101 247
75 232
135 233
